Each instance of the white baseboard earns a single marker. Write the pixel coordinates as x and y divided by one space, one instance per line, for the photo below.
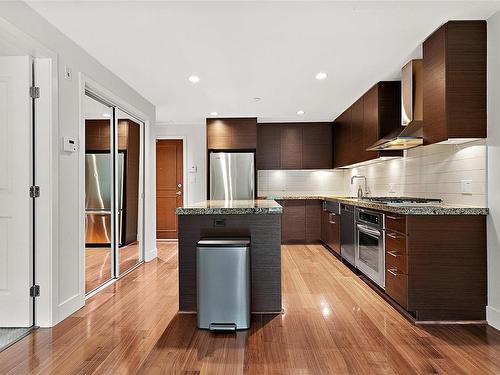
150 255
68 307
493 317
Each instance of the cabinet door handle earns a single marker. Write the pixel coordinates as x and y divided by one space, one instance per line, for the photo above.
393 217
393 235
392 253
330 220
394 271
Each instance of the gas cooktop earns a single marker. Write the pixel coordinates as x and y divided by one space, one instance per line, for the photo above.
404 201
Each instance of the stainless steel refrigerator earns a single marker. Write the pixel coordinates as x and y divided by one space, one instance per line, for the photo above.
98 185
232 176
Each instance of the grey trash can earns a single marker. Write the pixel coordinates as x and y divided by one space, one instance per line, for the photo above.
223 277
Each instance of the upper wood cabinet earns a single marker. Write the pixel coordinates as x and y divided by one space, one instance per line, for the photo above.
294 146
454 82
232 134
268 147
374 115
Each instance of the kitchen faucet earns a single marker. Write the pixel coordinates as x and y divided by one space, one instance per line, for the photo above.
360 190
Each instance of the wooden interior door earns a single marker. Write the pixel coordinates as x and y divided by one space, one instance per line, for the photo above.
169 186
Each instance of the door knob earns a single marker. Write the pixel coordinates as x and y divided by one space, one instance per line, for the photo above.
178 193
179 185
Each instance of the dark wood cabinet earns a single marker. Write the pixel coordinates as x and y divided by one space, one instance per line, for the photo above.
436 265
232 134
454 82
342 139
301 220
317 142
294 146
374 115
293 221
330 230
268 147
333 232
313 220
291 147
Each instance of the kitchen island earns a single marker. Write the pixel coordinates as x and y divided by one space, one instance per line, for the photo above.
259 220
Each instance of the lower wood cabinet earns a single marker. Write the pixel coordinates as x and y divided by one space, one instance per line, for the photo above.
301 220
331 224
435 266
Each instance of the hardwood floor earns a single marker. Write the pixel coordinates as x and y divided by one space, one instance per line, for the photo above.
98 263
333 324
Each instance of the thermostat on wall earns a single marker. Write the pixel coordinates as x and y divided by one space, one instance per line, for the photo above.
70 144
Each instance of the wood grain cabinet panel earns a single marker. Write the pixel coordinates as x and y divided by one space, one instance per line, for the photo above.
342 139
333 232
268 146
232 134
454 82
293 221
295 146
371 117
291 147
313 220
437 270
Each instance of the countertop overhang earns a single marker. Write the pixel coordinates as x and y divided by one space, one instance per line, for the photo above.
438 209
233 207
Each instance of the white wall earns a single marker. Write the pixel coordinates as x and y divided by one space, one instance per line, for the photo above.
66 289
493 310
434 171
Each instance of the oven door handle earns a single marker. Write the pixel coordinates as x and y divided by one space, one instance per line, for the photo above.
368 230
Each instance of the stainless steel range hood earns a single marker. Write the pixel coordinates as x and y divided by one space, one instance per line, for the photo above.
410 133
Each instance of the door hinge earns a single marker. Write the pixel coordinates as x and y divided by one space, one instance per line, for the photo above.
34 92
35 291
34 191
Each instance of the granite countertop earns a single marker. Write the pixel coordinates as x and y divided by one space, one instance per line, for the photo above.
438 209
236 207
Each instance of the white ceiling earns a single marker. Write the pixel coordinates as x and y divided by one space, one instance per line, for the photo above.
243 50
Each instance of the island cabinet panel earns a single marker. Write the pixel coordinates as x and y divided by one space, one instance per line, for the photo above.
294 146
264 233
232 134
436 265
454 82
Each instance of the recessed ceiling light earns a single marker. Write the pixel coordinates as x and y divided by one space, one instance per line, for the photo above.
257 98
300 113
107 115
214 113
321 76
194 79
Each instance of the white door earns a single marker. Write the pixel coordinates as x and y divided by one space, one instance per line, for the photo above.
15 203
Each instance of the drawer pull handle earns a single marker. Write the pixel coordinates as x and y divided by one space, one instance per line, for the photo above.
393 254
393 217
394 271
393 236
330 218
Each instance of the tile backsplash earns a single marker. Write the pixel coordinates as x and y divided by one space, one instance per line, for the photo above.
300 182
435 171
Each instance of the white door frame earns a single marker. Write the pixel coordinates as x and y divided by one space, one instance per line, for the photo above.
183 138
46 169
86 82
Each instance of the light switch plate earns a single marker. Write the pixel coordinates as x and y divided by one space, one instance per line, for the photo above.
68 75
466 186
392 187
